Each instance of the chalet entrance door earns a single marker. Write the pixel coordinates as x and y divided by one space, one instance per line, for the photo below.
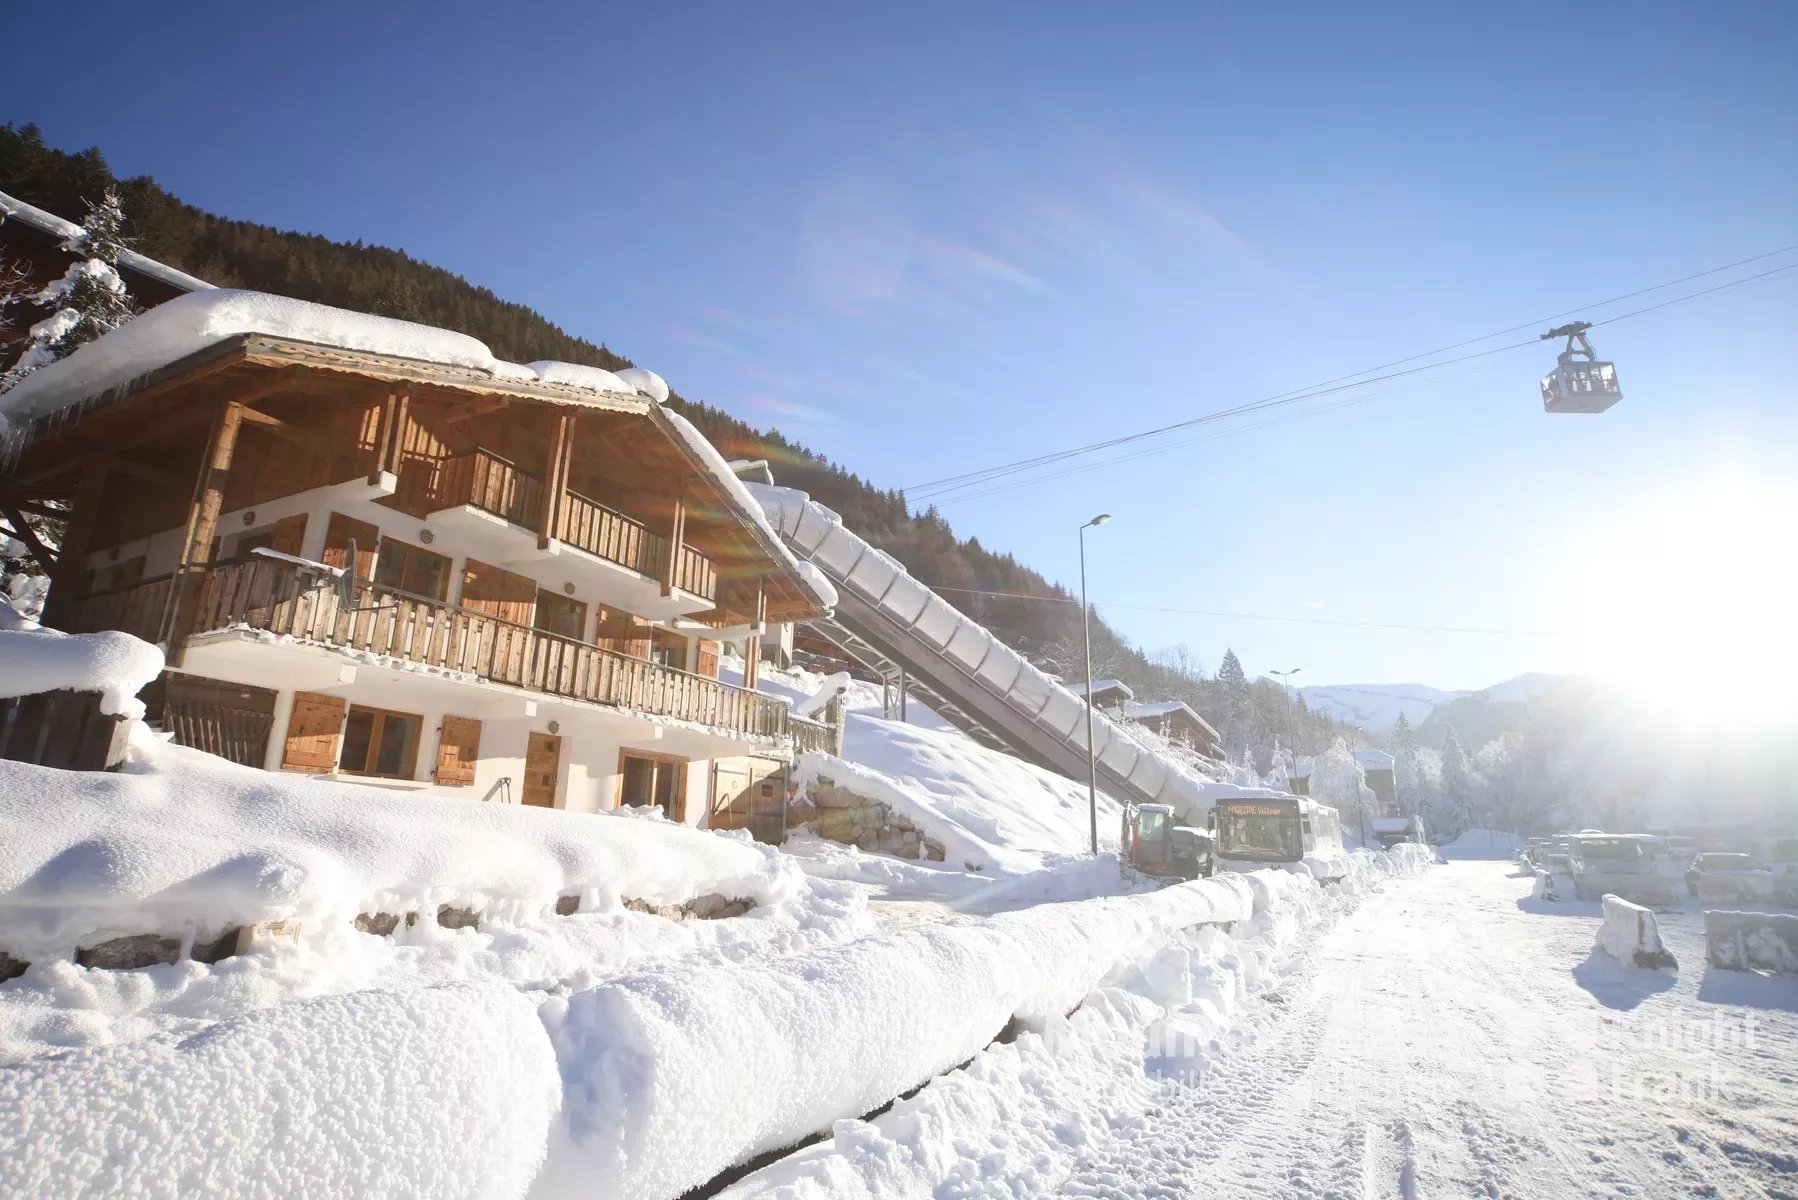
542 760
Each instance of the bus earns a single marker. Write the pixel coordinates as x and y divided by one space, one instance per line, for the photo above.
1252 832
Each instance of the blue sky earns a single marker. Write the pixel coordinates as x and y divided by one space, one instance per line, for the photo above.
948 236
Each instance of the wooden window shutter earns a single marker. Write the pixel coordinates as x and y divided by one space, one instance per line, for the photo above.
706 660
499 593
337 540
290 534
458 746
314 733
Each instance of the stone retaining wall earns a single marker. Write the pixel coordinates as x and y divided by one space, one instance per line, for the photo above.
833 811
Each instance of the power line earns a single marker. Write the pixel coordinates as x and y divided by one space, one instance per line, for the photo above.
1206 612
966 480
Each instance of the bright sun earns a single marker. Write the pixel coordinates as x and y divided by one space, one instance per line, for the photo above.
1694 599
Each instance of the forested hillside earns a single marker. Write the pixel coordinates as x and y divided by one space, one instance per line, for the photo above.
382 280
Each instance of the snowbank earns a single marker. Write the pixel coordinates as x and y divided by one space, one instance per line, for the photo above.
760 1058
181 839
1016 1119
116 665
1752 941
443 1092
991 812
1630 935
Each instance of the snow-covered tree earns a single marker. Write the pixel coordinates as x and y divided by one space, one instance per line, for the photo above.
1458 791
1338 780
89 300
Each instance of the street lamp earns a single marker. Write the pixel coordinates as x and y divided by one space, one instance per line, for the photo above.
1291 717
1086 625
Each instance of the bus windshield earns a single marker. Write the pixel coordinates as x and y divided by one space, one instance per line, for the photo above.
1262 832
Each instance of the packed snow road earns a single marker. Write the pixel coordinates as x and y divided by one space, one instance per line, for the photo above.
1453 1038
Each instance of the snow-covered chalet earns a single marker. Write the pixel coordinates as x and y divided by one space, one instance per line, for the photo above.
372 550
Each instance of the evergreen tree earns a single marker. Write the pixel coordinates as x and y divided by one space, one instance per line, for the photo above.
89 300
1459 788
1230 672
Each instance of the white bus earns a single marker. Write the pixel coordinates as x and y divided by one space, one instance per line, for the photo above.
1253 832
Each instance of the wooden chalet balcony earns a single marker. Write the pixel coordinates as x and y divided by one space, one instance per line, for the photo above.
288 599
492 484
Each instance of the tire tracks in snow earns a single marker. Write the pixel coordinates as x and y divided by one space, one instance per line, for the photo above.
1439 1042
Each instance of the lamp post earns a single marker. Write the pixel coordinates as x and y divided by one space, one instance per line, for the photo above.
1291 718
1086 626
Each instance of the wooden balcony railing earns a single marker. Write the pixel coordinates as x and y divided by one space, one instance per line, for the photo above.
286 599
610 534
492 484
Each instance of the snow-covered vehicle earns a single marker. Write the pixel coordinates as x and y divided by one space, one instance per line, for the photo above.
1729 877
1267 831
1617 865
1391 831
1155 845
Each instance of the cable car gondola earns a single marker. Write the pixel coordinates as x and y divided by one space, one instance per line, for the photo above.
1580 383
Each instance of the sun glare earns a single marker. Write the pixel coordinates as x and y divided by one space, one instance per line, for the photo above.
1691 600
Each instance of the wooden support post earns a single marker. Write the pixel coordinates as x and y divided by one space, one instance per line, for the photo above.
202 527
752 645
677 539
68 580
549 521
391 441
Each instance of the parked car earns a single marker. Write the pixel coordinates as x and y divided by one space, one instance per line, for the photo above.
1618 863
1723 875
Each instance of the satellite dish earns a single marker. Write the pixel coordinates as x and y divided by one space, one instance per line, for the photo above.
347 584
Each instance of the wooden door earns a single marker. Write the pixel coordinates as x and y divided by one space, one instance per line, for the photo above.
542 760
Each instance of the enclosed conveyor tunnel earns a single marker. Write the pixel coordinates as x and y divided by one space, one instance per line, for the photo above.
976 680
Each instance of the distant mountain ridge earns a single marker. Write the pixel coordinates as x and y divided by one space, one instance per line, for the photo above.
1376 707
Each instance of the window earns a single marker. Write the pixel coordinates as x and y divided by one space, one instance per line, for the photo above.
379 742
561 615
412 569
646 781
668 649
249 543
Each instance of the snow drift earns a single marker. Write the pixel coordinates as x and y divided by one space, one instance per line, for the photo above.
183 839
443 1092
760 1059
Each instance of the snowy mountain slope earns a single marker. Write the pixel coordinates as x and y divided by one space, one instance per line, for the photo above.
1375 707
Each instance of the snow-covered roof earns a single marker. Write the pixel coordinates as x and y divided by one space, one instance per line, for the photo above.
755 470
1389 824
1101 687
1161 708
189 324
12 209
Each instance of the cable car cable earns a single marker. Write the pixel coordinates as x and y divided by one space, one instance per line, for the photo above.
953 483
1206 612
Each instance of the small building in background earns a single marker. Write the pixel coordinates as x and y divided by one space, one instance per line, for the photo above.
1176 721
1106 693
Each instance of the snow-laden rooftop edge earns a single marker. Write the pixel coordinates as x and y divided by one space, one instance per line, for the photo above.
189 324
